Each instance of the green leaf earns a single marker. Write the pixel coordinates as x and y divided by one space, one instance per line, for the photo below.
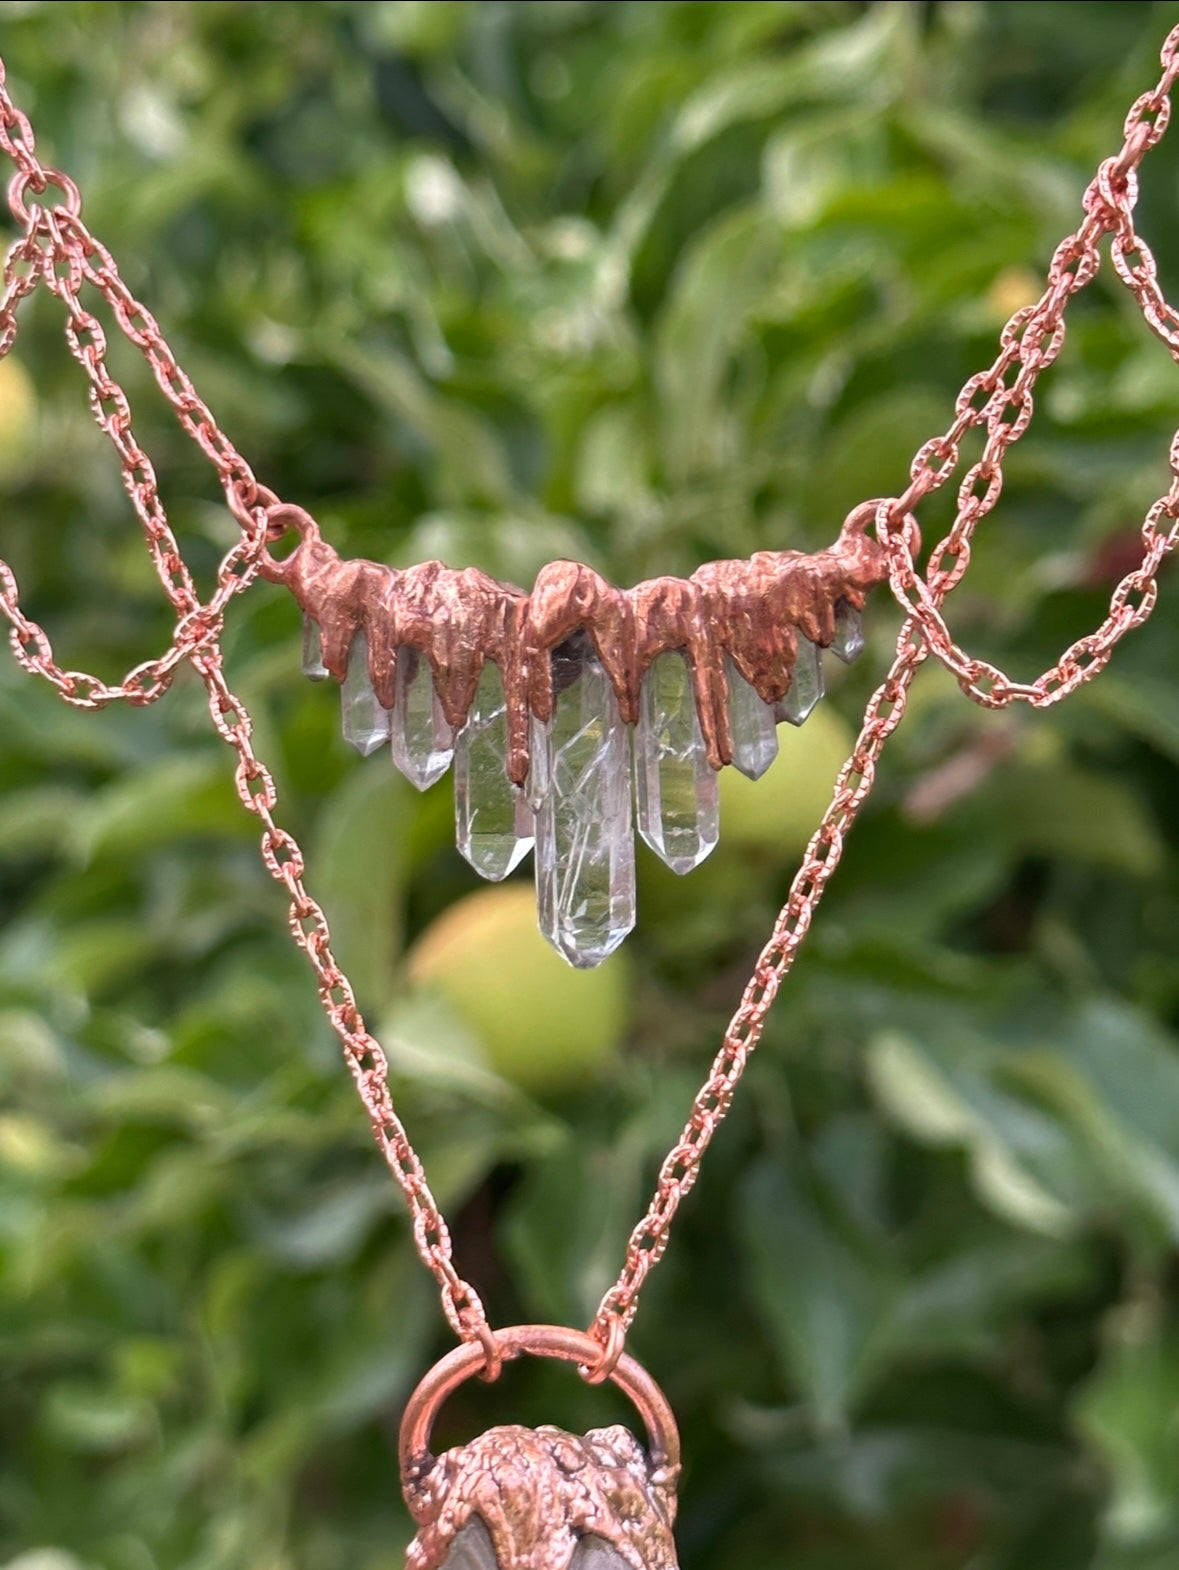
96 1420
361 857
1148 706
1128 1409
859 60
183 795
1061 811
961 1112
822 1298
700 329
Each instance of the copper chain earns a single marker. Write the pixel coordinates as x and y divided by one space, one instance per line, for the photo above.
57 250
997 402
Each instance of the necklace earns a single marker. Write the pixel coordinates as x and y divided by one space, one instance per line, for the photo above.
542 1498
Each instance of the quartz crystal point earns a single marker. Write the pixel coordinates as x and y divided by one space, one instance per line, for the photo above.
580 790
366 723
752 726
423 742
472 1549
806 687
313 667
675 785
848 642
493 821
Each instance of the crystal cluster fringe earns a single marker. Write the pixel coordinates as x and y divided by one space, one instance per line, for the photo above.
578 712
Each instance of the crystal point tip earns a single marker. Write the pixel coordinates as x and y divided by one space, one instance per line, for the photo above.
422 740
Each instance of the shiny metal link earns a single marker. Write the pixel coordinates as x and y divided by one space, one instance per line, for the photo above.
56 250
999 402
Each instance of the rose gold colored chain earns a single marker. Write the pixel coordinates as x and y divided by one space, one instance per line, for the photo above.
1002 408
57 250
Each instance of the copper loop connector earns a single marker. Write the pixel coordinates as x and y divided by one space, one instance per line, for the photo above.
245 495
26 180
547 1341
894 526
281 518
493 1358
602 1368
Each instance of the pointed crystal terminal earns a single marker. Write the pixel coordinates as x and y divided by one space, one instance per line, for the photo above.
313 667
366 723
806 687
752 726
472 1549
585 853
848 642
493 821
676 786
423 742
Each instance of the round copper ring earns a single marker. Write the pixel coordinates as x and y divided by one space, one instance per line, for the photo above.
281 518
554 1341
25 181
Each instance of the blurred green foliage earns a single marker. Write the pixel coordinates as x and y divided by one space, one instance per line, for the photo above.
645 284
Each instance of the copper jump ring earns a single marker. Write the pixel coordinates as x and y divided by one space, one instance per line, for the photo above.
602 1367
493 1358
25 181
552 1341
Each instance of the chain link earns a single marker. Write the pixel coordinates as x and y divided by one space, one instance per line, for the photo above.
997 402
56 250
362 1053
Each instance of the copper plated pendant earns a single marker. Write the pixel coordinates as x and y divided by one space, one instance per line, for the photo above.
730 619
541 1499
554 706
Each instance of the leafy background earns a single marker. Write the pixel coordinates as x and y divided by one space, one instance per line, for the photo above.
646 284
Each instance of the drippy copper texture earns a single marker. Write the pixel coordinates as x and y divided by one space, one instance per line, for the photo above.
540 1492
752 611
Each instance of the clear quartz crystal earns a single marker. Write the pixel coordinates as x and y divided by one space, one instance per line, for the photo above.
423 742
675 785
472 1549
752 725
595 1553
580 785
313 667
806 688
493 821
848 642
366 723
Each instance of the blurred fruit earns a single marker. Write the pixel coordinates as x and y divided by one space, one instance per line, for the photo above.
1012 289
780 811
543 1025
18 409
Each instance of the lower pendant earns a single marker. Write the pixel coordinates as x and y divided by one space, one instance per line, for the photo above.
539 1498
